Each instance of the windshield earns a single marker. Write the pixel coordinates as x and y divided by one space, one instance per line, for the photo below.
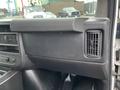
31 9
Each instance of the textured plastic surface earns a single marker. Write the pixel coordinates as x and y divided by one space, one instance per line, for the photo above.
11 81
44 25
41 80
64 50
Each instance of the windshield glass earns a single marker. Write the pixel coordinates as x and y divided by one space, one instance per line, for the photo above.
32 9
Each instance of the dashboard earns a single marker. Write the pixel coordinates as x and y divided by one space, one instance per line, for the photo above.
9 46
75 46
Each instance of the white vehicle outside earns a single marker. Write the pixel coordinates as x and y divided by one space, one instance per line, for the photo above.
50 15
37 12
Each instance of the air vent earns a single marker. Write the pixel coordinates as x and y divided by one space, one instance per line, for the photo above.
4 28
93 43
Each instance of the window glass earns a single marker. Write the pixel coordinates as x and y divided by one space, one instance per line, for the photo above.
28 9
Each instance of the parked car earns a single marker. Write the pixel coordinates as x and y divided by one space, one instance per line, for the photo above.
37 12
50 15
33 11
69 12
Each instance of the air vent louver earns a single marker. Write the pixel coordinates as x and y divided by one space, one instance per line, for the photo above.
93 43
4 28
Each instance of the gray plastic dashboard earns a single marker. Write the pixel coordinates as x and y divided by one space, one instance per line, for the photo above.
78 46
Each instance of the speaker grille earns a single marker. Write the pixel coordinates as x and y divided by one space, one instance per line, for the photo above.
93 43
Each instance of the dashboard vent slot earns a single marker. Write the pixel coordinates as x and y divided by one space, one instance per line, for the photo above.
4 28
93 43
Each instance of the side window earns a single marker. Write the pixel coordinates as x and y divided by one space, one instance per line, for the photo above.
32 9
